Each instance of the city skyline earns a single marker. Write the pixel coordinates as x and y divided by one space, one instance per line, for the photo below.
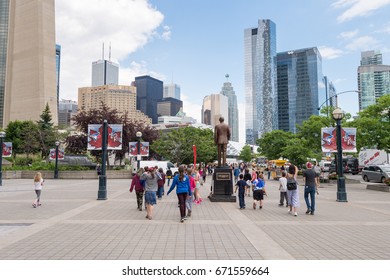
169 42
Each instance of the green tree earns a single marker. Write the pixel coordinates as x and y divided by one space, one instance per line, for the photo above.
24 137
246 154
373 125
177 145
272 143
297 151
46 132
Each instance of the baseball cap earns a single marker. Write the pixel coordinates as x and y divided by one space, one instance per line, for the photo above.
309 164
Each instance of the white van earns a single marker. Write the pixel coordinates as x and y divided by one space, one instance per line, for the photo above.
325 165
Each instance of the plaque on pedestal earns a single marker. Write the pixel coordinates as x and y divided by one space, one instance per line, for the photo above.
222 185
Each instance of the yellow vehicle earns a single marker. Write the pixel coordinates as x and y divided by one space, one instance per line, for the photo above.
276 167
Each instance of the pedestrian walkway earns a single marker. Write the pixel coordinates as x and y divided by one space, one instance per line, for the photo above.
72 224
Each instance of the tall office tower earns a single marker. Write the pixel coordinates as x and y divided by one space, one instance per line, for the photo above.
299 93
4 13
66 109
261 103
228 91
121 98
332 95
215 106
27 33
373 78
58 70
172 90
149 92
169 106
104 72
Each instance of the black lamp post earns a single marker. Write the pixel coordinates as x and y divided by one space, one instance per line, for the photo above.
56 165
338 115
139 135
102 193
2 136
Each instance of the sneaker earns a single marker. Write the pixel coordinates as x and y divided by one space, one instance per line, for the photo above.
289 211
312 213
182 220
189 213
185 218
308 211
295 214
261 207
280 204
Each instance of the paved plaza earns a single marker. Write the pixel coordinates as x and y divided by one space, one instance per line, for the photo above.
72 224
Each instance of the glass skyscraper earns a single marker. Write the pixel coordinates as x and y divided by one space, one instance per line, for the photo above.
299 91
261 104
228 91
373 78
104 72
4 12
149 93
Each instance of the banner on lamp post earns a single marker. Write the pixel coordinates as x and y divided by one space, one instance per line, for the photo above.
114 136
61 154
329 140
133 149
7 149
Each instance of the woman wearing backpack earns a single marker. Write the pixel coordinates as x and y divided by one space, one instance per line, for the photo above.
292 190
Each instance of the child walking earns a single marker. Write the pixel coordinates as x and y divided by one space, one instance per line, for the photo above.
241 186
38 183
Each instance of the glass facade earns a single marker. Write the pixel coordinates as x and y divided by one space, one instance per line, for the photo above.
149 92
228 91
373 79
300 86
4 14
172 90
104 72
261 104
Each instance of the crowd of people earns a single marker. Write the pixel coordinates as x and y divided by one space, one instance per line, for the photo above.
149 182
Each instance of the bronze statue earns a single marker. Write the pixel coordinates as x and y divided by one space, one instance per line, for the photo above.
221 139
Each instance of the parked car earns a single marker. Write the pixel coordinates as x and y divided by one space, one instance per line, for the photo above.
350 165
377 173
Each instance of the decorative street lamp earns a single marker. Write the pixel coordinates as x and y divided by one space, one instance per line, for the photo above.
56 165
139 135
102 193
2 136
338 115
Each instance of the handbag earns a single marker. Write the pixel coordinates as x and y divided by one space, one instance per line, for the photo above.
291 184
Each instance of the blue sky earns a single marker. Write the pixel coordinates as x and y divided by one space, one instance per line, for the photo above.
194 43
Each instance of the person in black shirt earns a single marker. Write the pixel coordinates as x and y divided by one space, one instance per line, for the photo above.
241 186
310 178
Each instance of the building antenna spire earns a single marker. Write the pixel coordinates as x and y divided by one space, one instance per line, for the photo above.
103 52
227 77
109 53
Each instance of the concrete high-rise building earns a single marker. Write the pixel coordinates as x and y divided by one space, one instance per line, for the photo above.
299 91
228 91
149 92
27 60
215 106
121 98
261 103
104 72
373 78
169 106
172 90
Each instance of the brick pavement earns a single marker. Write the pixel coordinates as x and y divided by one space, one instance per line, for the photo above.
73 225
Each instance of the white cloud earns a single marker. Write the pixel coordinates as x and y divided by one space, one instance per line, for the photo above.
82 27
349 34
329 52
190 108
363 43
166 35
358 8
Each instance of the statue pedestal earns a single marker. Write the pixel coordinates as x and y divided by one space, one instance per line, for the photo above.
222 185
